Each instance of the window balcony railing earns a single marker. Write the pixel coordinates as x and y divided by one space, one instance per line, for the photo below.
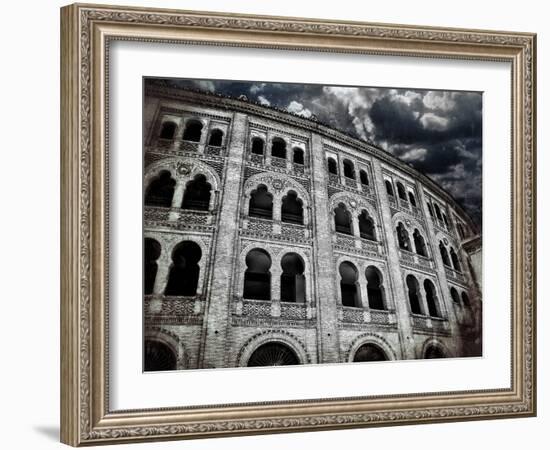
278 162
350 182
293 311
333 178
454 275
189 146
299 168
272 309
416 260
431 324
156 213
358 315
173 309
256 159
194 217
214 150
293 230
164 143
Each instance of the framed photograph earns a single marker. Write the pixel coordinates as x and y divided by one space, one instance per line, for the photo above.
279 224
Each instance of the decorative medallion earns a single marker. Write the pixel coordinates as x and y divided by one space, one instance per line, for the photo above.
408 222
353 204
184 169
277 184
445 241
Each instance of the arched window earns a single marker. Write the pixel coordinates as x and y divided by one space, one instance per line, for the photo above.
454 296
419 243
364 178
257 278
293 281
389 188
160 190
455 260
465 300
366 226
349 171
412 200
433 352
278 148
342 220
369 352
168 130
348 285
184 274
261 203
414 294
403 237
437 212
157 356
292 210
401 191
151 253
445 220
197 194
431 299
193 131
332 166
273 354
430 209
444 254
257 146
216 138
375 290
298 156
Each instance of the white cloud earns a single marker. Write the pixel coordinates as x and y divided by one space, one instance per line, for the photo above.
206 85
255 88
431 121
415 154
263 101
439 100
297 108
407 98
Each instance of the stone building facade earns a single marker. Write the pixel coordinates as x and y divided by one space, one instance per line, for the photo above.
272 239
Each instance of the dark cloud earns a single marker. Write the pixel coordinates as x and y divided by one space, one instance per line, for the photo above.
437 132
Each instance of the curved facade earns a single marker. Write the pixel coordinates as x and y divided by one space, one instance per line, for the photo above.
270 239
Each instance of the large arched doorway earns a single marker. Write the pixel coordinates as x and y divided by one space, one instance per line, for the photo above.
158 356
369 352
184 274
273 354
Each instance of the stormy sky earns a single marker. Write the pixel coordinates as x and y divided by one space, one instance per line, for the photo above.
437 132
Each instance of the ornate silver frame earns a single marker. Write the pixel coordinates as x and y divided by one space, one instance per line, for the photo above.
86 31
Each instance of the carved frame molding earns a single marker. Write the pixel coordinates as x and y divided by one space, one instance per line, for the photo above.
86 32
